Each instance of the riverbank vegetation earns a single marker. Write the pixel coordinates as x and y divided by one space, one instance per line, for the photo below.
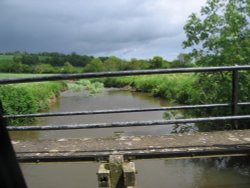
92 87
174 88
29 98
218 35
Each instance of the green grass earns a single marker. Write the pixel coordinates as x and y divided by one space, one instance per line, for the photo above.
29 97
174 88
6 58
17 75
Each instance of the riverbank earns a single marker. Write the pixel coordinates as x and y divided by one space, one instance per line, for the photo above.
195 173
174 88
29 98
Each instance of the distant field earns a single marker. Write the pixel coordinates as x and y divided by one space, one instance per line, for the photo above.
10 58
6 58
11 75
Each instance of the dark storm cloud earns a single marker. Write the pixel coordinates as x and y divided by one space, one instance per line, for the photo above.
126 28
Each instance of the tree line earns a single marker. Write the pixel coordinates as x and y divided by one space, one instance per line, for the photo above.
23 62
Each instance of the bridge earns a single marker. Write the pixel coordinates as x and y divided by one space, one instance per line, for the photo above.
116 154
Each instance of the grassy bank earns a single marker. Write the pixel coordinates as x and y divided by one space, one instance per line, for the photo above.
28 98
192 89
174 88
36 97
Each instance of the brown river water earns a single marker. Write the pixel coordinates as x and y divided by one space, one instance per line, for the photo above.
182 173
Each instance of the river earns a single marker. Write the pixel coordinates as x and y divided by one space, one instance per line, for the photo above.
181 173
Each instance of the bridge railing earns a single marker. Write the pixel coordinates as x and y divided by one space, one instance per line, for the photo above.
10 174
233 104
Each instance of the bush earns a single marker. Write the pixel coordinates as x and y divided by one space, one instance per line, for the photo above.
174 88
93 87
28 98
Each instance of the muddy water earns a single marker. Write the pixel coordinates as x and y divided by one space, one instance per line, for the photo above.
205 173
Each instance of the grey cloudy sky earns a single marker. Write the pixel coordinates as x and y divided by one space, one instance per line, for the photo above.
125 28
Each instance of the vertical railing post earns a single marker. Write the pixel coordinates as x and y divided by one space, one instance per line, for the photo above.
235 94
10 172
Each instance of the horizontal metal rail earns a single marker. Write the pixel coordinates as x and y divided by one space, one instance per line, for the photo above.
95 112
121 73
126 124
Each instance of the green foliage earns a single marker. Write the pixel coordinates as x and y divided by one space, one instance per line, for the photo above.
92 87
6 58
174 88
30 59
137 64
114 63
222 30
18 62
28 98
68 68
17 100
96 65
156 62
220 36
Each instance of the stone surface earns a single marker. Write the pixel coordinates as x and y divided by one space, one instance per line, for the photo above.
174 145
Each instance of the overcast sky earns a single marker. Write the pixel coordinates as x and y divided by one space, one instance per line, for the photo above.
125 28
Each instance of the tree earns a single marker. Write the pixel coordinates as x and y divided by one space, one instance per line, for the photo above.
183 60
30 59
137 64
114 63
67 68
220 35
156 62
96 65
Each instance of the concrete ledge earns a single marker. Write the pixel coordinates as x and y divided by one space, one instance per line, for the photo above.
135 147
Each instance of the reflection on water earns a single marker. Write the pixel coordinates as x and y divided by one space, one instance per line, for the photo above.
61 175
25 135
109 99
198 173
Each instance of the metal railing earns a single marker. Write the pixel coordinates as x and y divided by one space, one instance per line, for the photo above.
10 174
234 102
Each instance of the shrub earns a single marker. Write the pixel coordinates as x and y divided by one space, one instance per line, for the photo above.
28 98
